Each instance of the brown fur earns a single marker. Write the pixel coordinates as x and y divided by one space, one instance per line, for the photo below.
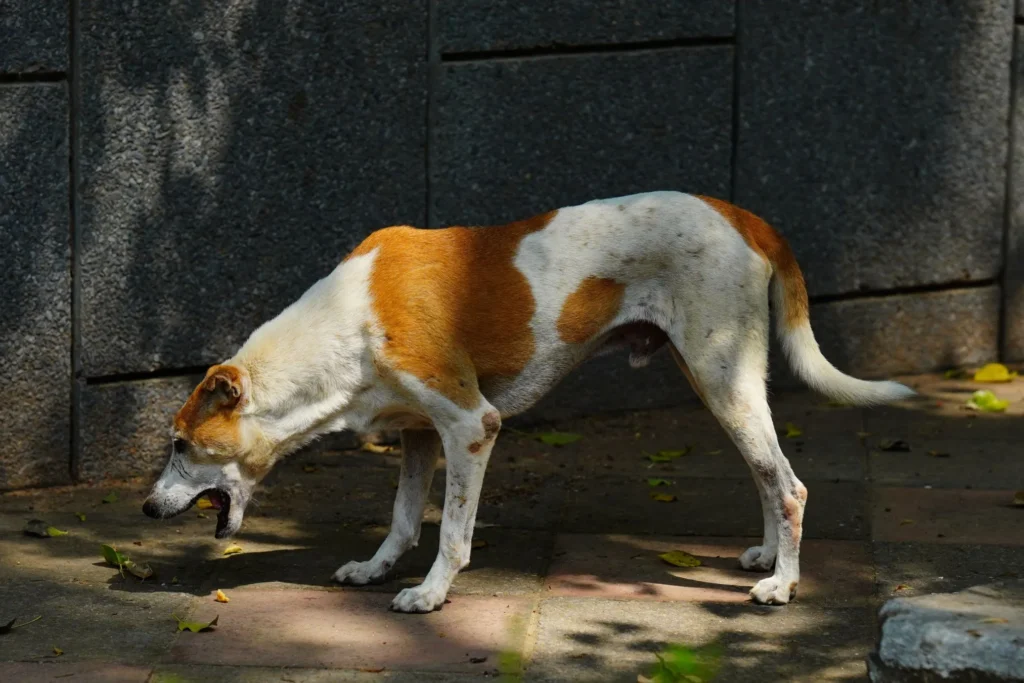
763 239
589 309
794 512
442 297
209 418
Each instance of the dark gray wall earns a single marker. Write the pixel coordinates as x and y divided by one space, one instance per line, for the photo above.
172 174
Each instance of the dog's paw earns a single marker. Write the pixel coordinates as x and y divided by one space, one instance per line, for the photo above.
418 600
360 573
759 558
773 591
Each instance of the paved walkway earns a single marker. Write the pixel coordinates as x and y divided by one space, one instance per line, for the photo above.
567 584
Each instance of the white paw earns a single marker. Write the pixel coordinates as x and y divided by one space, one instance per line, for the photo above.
773 591
360 573
418 600
759 558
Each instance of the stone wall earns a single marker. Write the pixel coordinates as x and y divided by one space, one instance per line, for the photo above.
174 173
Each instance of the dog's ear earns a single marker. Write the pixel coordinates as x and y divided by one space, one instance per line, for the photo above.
226 385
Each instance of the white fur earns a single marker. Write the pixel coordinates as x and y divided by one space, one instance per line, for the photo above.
686 270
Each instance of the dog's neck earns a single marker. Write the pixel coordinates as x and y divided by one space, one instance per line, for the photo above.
309 363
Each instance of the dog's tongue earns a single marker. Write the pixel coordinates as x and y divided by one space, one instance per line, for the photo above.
214 499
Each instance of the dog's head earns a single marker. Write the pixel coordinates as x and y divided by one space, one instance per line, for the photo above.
215 452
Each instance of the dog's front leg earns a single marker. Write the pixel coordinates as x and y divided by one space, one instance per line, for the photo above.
467 446
420 451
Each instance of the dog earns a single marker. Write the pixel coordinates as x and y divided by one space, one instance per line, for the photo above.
442 333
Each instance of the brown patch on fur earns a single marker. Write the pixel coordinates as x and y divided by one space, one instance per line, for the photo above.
763 239
794 512
678 357
801 493
491 423
210 416
792 589
589 309
453 306
475 447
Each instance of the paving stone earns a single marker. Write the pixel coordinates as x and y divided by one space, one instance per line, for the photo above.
706 507
928 85
477 25
349 629
260 674
82 672
125 426
972 635
835 573
614 640
946 516
950 464
34 36
503 148
35 308
907 569
1013 275
231 156
90 624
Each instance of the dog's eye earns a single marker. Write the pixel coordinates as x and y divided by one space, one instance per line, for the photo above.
179 445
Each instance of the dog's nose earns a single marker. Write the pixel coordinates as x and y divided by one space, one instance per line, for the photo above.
149 509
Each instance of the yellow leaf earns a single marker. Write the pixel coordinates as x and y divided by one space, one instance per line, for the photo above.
715 452
204 503
57 651
995 620
220 597
1018 499
792 431
680 558
994 372
232 549
309 468
900 587
987 402
374 448
662 497
201 515
906 522
81 516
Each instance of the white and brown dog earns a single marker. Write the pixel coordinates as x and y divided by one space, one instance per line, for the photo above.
442 333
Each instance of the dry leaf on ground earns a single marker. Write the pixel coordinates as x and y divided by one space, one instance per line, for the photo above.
658 482
195 626
110 497
81 516
994 372
233 549
792 431
1018 499
680 558
220 597
662 497
894 446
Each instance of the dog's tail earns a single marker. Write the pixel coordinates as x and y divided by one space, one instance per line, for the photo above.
789 298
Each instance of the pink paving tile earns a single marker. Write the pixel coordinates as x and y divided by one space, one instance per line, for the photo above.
77 672
832 572
354 630
946 516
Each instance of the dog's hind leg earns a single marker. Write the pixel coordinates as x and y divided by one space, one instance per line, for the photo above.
420 451
729 370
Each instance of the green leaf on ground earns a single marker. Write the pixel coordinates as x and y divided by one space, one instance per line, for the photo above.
57 651
37 527
114 558
987 402
110 497
681 664
792 431
668 456
195 626
557 438
81 516
658 482
662 497
955 373
679 558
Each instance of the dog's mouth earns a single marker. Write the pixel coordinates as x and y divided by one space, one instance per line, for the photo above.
221 502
